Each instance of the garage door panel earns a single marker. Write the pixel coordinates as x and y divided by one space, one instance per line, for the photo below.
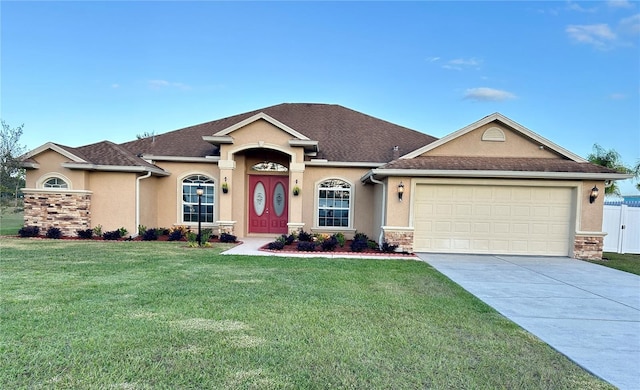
493 219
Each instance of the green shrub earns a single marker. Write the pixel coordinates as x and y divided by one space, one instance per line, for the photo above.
276 245
85 234
97 230
54 232
340 238
112 235
306 246
226 237
29 231
150 235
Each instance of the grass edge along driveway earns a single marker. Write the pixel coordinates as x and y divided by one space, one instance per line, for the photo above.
142 315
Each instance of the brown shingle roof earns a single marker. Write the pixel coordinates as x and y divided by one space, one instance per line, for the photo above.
343 134
108 153
523 164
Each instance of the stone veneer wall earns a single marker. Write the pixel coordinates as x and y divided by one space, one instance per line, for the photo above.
402 238
67 211
588 247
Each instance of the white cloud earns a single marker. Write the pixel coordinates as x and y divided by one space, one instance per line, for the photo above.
157 84
617 96
488 94
115 86
462 63
576 7
630 25
620 4
433 59
598 35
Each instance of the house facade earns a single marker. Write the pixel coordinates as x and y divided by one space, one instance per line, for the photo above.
491 187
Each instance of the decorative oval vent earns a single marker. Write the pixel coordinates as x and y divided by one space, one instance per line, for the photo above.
493 134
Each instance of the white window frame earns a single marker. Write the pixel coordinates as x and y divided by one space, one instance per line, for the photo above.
318 202
53 175
208 183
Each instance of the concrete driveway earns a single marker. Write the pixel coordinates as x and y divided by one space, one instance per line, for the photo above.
588 312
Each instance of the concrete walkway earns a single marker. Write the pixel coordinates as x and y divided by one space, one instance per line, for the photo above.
588 312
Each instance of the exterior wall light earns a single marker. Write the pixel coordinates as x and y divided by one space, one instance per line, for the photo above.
400 191
225 186
593 195
199 192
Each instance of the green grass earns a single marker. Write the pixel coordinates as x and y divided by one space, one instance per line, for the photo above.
142 315
10 222
624 262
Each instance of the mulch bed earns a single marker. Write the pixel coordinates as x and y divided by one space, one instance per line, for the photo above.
345 250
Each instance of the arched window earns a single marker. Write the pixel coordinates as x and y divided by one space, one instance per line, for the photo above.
269 166
55 182
190 198
334 203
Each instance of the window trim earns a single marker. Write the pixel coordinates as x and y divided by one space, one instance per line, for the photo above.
181 202
316 211
53 175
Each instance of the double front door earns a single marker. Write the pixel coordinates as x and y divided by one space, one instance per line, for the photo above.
268 208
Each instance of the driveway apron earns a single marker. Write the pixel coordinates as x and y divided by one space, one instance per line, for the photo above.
588 312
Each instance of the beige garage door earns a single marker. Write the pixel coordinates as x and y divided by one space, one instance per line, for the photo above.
492 219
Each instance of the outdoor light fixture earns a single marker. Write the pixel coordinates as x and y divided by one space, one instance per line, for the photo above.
199 192
400 191
593 195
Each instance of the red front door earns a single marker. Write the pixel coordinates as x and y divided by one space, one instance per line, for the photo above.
268 208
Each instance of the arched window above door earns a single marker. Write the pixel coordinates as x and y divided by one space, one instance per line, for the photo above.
269 166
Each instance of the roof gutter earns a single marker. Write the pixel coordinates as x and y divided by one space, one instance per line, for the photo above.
495 174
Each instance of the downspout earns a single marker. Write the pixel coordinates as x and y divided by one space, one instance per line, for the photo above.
383 209
138 179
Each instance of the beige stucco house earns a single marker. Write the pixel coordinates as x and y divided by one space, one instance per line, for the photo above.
491 187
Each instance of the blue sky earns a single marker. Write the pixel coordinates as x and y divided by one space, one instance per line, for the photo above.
79 72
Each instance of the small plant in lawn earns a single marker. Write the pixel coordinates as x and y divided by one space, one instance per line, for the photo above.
306 246
29 231
54 232
85 234
150 235
97 230
111 235
229 238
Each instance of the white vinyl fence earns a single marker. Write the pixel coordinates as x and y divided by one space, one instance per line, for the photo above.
621 222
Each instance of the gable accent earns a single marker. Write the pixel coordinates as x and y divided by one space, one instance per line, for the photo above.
257 117
500 118
494 134
56 148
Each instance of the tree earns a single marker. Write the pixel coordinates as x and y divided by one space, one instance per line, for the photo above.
146 134
11 174
611 159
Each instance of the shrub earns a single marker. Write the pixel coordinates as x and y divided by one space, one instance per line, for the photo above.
226 237
85 234
289 239
29 231
176 235
97 230
123 231
388 248
142 230
276 245
306 246
340 237
112 235
192 238
163 231
359 245
329 244
54 232
304 236
372 244
360 237
150 235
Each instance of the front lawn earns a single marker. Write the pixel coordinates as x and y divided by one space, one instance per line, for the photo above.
625 262
10 222
142 315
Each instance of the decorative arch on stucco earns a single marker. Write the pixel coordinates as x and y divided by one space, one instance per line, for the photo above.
53 175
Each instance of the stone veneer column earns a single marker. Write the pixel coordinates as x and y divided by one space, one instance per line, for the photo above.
69 211
588 246
401 236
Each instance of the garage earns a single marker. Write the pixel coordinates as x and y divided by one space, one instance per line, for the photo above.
496 219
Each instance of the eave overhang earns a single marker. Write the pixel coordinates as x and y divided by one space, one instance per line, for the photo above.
311 147
115 168
205 159
218 140
481 174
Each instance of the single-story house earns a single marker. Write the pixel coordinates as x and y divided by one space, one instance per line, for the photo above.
493 186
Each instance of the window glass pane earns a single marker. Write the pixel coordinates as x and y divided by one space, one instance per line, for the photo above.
190 198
